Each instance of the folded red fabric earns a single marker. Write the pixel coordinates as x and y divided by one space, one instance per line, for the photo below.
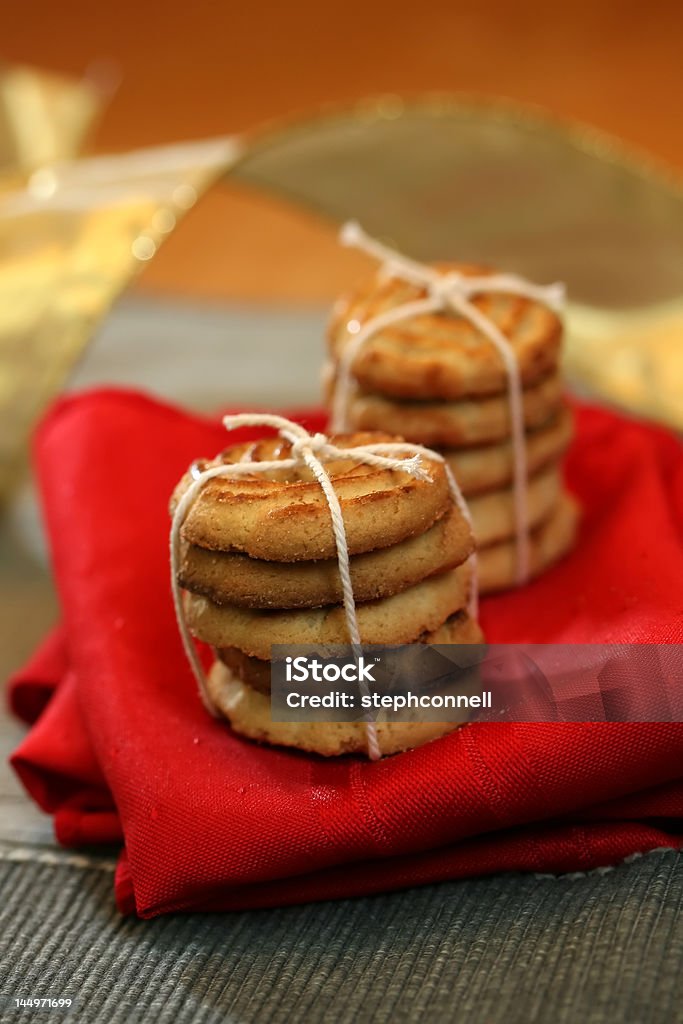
123 749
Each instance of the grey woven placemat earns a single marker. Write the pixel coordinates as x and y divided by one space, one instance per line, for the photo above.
598 949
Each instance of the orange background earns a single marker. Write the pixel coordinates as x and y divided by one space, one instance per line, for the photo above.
202 69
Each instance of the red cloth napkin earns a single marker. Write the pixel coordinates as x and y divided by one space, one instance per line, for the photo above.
122 748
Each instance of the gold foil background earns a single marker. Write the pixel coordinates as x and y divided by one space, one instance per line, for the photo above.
441 178
72 236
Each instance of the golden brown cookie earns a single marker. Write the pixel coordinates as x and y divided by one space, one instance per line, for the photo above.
497 564
255 672
390 620
442 355
233 578
490 467
493 513
468 421
459 628
287 519
248 711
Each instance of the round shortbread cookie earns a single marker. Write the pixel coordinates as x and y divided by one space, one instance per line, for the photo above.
442 355
247 707
288 519
248 712
459 628
255 672
489 467
465 422
493 513
230 578
497 565
390 620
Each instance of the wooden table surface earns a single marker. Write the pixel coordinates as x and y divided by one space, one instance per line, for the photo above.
201 69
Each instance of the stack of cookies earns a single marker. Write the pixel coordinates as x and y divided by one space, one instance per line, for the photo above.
439 381
258 562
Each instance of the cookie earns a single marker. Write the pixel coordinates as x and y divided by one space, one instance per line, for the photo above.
248 711
442 355
390 620
490 467
493 513
497 565
288 519
468 421
255 672
227 577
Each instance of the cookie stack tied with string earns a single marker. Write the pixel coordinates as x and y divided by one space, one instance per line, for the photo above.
466 361
303 539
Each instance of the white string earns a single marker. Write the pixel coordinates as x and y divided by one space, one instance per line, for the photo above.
453 291
311 450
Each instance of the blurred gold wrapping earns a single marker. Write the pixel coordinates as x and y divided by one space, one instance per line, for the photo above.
74 232
71 238
43 116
